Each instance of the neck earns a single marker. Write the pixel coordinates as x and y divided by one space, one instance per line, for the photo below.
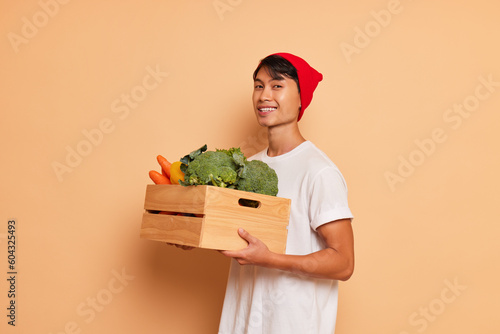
283 139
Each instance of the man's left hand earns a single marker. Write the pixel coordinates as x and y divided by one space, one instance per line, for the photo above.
255 253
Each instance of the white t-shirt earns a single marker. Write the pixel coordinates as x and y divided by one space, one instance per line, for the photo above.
271 301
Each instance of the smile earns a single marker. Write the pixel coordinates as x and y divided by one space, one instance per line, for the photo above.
263 111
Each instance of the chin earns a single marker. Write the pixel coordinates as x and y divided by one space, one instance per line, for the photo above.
261 120
264 122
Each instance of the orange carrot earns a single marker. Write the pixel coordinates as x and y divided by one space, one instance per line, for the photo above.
158 178
165 165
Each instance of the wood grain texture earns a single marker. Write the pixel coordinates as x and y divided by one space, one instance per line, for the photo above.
176 198
174 229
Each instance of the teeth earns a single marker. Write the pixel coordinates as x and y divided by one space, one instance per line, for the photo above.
267 109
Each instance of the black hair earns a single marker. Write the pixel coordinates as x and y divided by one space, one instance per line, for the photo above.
278 67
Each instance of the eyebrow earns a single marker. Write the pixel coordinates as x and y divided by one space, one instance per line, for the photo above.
272 79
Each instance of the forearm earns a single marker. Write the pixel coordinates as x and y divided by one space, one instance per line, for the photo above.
327 263
334 262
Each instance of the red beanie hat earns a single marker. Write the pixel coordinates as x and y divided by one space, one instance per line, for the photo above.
308 79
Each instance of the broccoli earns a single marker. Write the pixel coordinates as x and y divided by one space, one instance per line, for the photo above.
213 168
228 169
258 177
238 158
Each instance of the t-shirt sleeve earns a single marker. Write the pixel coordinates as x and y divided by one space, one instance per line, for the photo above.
328 198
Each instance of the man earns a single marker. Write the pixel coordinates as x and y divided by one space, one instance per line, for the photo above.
294 292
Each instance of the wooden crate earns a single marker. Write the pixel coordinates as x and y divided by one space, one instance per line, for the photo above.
218 217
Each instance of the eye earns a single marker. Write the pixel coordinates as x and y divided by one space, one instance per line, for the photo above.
258 86
277 86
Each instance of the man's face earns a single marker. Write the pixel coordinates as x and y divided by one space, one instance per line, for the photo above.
276 101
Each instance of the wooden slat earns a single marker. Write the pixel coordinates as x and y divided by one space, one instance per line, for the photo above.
224 202
174 229
222 233
176 198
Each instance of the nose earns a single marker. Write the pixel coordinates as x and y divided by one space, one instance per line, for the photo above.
266 94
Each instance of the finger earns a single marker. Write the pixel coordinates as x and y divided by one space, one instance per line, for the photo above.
158 178
165 165
247 236
228 253
184 247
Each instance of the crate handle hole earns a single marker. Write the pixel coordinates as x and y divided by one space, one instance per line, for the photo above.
249 203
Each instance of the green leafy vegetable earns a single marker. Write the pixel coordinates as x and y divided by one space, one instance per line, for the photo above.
258 177
228 169
190 157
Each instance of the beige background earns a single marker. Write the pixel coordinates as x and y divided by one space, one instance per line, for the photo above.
396 74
